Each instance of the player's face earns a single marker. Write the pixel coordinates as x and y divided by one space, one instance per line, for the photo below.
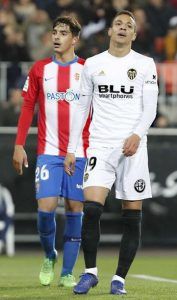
123 30
62 39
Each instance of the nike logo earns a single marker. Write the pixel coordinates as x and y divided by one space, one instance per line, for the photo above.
46 79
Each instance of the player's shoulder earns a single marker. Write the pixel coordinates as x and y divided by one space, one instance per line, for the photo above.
141 58
96 58
38 66
42 62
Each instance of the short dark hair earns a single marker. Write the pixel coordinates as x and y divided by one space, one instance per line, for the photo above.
73 24
124 12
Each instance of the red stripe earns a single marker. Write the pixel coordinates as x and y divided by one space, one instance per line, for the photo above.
41 117
63 110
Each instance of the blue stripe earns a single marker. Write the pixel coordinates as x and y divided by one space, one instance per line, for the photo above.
64 64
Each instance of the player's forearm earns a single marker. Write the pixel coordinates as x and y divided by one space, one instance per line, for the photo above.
80 117
24 124
149 113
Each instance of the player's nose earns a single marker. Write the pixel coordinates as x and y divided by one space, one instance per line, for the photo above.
123 27
56 40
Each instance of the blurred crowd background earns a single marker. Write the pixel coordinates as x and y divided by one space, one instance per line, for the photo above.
25 36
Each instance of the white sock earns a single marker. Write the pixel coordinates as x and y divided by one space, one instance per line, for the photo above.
93 271
118 278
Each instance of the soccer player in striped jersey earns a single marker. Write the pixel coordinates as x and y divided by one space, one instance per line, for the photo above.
53 83
121 85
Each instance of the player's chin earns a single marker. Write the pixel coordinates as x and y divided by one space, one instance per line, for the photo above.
58 49
121 40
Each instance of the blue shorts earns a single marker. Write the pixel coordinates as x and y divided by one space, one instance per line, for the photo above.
52 181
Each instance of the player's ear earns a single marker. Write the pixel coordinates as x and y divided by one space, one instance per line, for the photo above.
134 37
75 40
109 31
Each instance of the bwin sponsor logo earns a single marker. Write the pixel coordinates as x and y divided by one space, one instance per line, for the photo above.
68 96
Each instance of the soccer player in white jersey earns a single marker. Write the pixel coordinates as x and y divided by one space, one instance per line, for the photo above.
121 86
54 83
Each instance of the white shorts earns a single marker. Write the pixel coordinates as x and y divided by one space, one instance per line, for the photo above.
107 166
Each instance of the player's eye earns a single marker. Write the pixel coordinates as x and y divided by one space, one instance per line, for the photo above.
64 33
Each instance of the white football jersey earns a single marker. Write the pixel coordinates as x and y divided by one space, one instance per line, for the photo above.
123 94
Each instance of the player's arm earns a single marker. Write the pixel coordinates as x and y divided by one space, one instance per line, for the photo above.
81 111
150 96
29 93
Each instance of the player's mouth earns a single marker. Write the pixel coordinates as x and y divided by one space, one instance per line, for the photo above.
56 45
122 34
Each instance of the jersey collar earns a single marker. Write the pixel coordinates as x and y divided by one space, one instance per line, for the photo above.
64 64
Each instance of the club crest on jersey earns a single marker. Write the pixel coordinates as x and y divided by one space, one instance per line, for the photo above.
131 74
77 76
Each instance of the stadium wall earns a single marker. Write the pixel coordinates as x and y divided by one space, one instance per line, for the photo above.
159 217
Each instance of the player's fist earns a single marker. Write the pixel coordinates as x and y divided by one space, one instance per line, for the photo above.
131 145
19 159
69 163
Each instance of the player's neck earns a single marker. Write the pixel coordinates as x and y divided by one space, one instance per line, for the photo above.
65 57
119 50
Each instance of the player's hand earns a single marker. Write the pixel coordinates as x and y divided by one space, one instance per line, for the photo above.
69 163
131 145
19 159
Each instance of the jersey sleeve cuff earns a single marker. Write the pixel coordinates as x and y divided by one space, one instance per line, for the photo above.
139 133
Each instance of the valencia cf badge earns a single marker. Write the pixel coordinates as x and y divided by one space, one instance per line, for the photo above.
140 185
131 74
